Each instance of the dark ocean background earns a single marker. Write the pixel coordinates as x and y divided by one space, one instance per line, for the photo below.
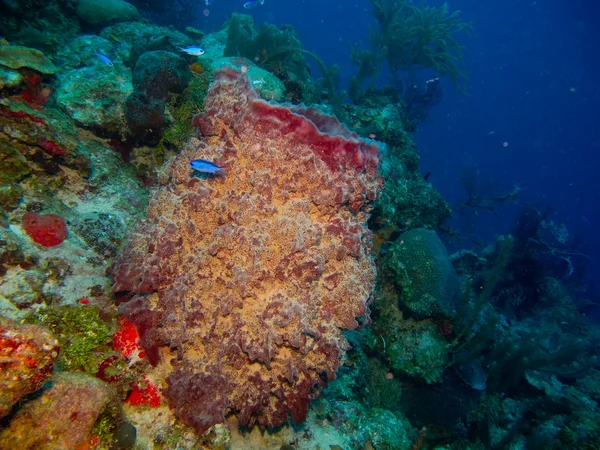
529 116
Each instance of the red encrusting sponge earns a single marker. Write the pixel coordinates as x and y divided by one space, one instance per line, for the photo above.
148 395
48 230
126 340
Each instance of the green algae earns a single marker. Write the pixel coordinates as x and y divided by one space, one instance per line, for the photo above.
183 108
106 427
14 165
84 336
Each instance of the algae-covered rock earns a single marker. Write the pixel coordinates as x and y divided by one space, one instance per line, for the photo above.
83 51
84 336
424 273
105 11
17 57
10 250
132 39
68 415
24 288
266 84
27 355
421 353
10 196
9 78
102 232
14 165
94 97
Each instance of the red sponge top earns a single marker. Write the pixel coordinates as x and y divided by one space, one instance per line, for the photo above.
48 230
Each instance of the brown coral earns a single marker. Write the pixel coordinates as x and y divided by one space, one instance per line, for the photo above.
250 277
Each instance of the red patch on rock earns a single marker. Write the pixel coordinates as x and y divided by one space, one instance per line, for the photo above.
52 147
148 395
126 340
48 230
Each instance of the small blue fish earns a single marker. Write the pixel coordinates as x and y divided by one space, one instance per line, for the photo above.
192 50
208 2
105 59
253 3
204 166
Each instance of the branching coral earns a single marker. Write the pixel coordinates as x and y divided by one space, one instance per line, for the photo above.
249 277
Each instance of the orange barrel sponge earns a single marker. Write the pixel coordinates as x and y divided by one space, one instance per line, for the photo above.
243 281
48 230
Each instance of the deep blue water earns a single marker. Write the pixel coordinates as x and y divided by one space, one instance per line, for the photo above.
529 117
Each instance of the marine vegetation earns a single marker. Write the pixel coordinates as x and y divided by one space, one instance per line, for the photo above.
278 50
410 37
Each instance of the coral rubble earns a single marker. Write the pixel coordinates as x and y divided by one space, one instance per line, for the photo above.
250 277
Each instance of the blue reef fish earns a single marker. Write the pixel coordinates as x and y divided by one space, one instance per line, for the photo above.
253 3
105 59
208 2
192 50
204 166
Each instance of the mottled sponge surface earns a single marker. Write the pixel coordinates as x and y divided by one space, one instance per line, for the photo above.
249 278
424 273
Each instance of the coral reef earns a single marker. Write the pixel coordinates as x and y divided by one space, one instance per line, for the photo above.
238 290
250 277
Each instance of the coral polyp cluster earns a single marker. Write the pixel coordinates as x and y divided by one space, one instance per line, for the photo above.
248 279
